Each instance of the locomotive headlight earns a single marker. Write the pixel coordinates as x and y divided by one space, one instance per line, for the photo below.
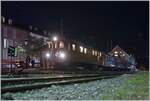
62 55
48 55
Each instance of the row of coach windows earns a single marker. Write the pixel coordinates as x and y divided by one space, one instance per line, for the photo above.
56 45
84 50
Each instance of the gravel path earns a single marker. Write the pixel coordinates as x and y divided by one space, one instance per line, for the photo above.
81 91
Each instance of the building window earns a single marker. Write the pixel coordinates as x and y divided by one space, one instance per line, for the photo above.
61 44
85 50
95 53
50 44
116 55
73 47
55 45
81 49
4 54
100 54
5 43
123 54
9 21
10 42
115 52
92 52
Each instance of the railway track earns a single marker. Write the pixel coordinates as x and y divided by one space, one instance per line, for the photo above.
23 84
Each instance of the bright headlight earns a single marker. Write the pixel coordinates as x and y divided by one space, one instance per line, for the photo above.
62 55
47 55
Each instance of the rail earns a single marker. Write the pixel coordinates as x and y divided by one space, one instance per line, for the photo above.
54 82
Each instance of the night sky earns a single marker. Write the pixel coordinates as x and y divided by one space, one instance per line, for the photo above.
125 23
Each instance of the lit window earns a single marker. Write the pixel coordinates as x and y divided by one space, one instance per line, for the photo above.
120 52
92 52
81 49
95 53
10 42
123 54
73 47
9 21
116 52
85 50
50 44
5 43
55 45
100 54
61 44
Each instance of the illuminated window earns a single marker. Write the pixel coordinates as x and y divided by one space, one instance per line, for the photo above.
92 52
116 52
50 44
5 43
85 50
9 21
73 47
116 55
81 49
10 42
120 52
61 44
100 54
55 45
95 53
123 54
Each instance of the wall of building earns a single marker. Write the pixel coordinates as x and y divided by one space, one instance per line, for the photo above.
11 36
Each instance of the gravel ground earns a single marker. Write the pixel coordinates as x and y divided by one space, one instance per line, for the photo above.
93 90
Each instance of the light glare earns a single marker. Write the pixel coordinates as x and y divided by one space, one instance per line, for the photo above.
55 38
47 55
62 55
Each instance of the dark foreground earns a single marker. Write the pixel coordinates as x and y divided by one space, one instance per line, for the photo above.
126 87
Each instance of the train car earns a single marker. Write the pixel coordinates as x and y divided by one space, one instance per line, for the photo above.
63 53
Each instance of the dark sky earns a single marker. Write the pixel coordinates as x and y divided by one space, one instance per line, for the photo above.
125 23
